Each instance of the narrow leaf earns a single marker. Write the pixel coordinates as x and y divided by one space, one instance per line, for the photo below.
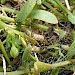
61 33
13 73
41 67
71 1
55 71
71 18
73 12
44 16
26 55
3 25
4 52
71 51
3 1
25 11
39 2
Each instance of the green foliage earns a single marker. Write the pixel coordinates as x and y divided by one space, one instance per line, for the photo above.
26 55
2 1
25 37
71 51
71 18
55 71
39 2
14 51
44 16
71 2
61 33
26 10
41 67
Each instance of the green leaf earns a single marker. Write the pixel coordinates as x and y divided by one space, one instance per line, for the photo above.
11 35
2 48
44 16
3 25
71 18
71 1
61 54
73 34
73 12
71 51
14 51
55 71
26 55
13 73
41 67
39 2
3 1
61 33
26 10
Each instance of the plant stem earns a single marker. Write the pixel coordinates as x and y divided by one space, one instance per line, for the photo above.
41 66
13 73
9 10
54 3
6 27
63 7
23 41
32 57
7 18
4 53
55 11
63 63
3 25
39 26
2 1
60 64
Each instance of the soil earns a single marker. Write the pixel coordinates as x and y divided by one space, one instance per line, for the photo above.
52 38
